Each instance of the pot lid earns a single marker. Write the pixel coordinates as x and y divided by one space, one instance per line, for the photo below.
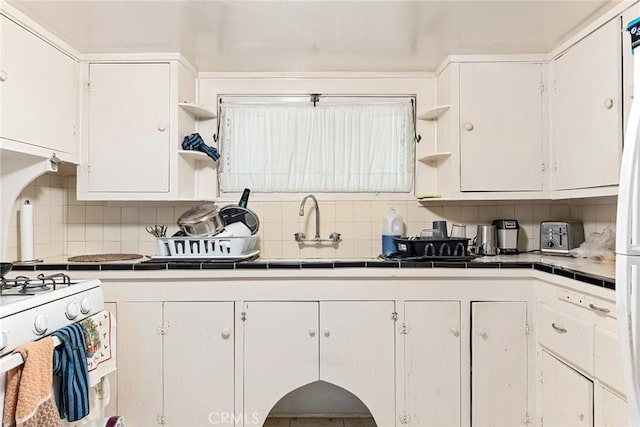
198 214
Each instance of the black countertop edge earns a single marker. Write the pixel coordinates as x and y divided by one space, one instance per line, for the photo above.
591 279
151 266
349 264
383 264
218 265
543 267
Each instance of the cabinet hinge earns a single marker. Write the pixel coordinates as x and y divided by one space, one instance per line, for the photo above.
243 316
543 166
394 315
555 166
526 419
75 83
89 86
162 419
404 328
87 168
403 418
542 87
528 330
163 329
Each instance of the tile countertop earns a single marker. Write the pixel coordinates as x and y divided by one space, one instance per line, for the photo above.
599 273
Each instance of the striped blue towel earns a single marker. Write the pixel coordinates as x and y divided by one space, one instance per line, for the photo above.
70 363
196 143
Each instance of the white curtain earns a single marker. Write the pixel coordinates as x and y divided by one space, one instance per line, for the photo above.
345 147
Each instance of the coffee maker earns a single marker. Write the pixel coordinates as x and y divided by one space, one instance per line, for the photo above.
507 230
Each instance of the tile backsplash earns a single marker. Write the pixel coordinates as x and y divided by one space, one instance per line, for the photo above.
66 226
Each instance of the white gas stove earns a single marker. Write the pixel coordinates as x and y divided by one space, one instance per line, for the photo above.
33 307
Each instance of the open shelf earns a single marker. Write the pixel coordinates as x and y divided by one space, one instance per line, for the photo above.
435 157
434 113
198 112
195 155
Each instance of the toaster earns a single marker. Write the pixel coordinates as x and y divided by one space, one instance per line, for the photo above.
559 237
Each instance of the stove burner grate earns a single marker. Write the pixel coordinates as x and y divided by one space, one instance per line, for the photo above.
23 285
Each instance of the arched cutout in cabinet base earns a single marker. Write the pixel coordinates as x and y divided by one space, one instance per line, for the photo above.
319 400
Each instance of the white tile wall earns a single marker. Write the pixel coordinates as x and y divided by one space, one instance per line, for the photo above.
67 226
48 197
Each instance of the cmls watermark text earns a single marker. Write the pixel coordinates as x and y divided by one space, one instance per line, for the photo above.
231 418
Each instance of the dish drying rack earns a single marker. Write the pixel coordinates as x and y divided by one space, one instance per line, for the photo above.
205 247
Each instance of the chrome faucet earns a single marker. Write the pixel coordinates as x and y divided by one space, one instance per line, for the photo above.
315 203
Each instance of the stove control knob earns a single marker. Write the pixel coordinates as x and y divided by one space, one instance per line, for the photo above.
4 339
73 310
86 305
41 324
550 244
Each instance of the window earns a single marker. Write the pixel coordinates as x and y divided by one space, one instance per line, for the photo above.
336 144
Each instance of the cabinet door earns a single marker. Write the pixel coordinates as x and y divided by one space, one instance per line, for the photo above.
280 352
139 362
499 363
39 97
587 121
357 352
432 363
567 396
128 135
198 362
610 410
500 127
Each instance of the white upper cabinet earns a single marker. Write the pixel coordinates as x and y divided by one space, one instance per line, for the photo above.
136 117
500 127
490 127
128 132
39 94
587 111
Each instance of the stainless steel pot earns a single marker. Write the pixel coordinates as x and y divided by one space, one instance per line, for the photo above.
203 220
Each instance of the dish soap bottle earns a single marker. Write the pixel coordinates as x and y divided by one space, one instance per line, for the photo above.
391 227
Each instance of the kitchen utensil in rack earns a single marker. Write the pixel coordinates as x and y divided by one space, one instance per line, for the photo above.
232 213
157 230
201 221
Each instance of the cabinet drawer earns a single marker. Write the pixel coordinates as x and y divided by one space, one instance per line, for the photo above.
608 363
568 336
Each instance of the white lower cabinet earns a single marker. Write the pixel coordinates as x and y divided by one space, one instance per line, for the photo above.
350 344
567 396
432 363
580 369
175 363
499 368
610 409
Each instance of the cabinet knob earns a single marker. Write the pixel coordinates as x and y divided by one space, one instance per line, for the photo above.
162 127
226 333
326 332
455 332
3 75
608 103
482 333
468 126
312 332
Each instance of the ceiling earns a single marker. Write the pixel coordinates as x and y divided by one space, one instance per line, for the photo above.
314 35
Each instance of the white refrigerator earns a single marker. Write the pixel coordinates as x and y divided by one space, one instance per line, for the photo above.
628 242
